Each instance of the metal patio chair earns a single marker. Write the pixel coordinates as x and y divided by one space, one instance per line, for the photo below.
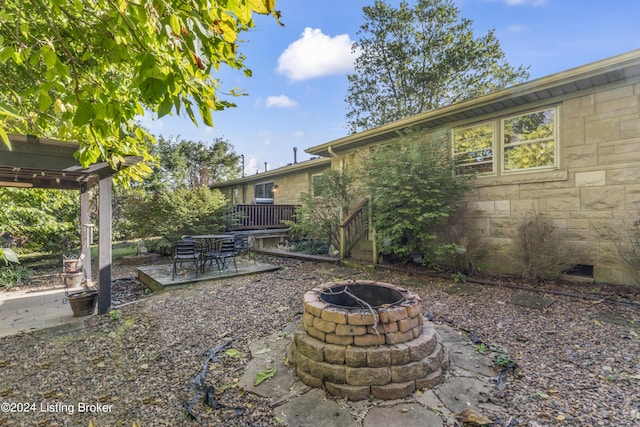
220 252
186 251
245 244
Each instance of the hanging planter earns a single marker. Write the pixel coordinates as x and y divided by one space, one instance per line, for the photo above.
83 303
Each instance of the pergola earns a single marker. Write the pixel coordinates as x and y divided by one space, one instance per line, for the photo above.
33 162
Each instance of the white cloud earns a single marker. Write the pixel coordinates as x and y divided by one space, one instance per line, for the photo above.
523 2
514 28
280 101
298 134
316 54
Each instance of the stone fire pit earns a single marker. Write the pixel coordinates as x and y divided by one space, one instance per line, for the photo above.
362 338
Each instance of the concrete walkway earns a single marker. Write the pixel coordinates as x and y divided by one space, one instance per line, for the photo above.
25 311
470 383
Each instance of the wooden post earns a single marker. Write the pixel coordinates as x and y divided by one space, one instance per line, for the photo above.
104 245
85 244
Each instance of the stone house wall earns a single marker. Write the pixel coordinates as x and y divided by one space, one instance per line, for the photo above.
590 198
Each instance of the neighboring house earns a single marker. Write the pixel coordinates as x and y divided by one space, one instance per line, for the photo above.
278 186
566 146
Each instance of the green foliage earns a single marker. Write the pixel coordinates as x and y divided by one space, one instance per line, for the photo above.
264 375
481 348
529 140
413 189
418 57
628 246
320 212
459 247
40 219
115 315
502 360
171 214
85 70
539 250
13 275
186 163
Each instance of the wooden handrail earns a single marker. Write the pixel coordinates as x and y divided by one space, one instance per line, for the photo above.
354 227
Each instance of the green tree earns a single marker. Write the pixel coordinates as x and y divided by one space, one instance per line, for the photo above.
420 57
320 212
413 189
84 70
186 163
39 219
172 213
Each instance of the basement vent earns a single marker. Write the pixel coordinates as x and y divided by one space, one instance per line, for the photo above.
580 270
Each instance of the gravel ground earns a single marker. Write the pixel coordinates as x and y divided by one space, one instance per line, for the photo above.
574 366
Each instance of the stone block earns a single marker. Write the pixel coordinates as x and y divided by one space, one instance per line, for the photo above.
563 204
393 391
503 207
362 317
430 381
572 132
626 175
424 345
578 107
590 179
485 207
307 318
619 105
609 197
368 376
355 357
308 379
316 333
327 371
310 347
500 192
350 330
384 328
433 361
378 357
605 130
405 325
399 354
324 325
349 392
315 307
339 339
335 315
410 371
413 307
392 314
334 354
369 340
398 337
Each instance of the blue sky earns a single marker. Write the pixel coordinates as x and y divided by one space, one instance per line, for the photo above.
296 95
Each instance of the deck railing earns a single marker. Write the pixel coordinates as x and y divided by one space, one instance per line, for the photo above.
259 217
354 227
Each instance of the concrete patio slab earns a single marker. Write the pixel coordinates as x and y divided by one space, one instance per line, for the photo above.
25 311
159 277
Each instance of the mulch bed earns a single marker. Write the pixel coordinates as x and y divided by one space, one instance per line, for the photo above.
574 366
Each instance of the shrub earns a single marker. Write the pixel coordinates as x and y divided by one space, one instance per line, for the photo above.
628 246
414 189
13 275
459 248
539 249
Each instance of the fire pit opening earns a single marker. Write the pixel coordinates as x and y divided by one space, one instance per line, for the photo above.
362 295
360 339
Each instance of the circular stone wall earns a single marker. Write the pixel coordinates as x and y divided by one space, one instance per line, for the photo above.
373 343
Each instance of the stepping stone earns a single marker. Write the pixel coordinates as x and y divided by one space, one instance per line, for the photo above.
616 318
531 301
463 289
